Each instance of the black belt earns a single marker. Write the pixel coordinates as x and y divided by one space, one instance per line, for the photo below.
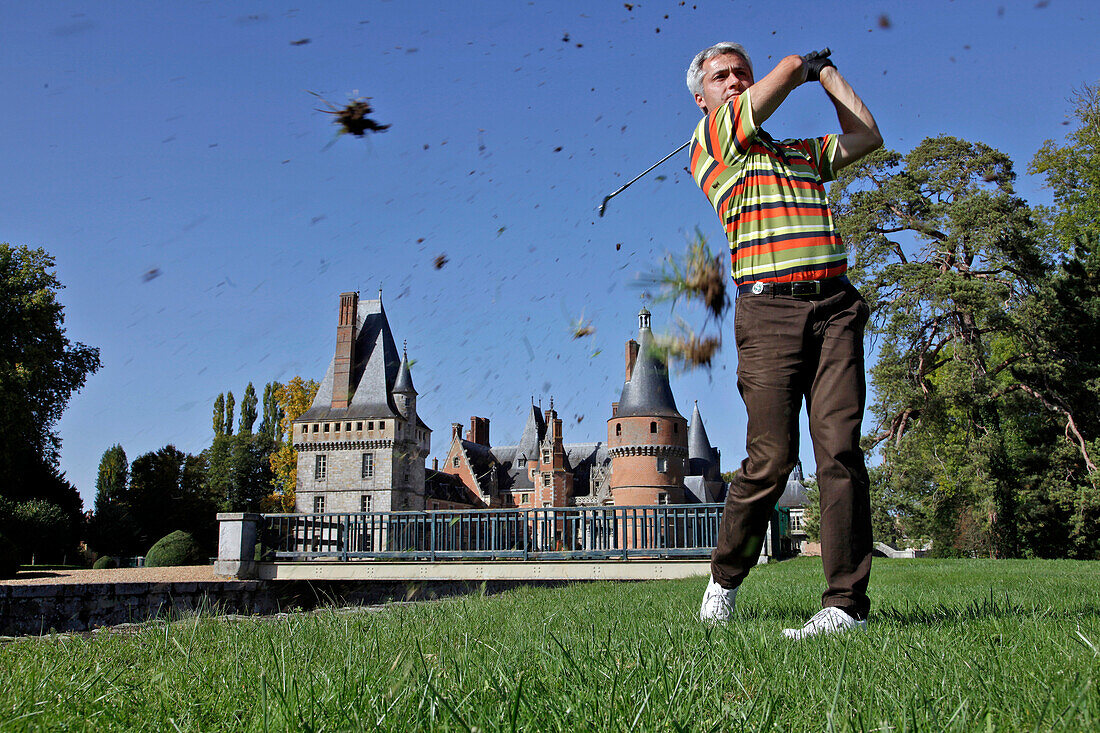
806 288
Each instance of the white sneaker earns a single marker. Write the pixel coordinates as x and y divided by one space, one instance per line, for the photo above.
829 620
717 603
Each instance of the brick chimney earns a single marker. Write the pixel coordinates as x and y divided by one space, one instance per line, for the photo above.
479 430
631 357
456 431
345 348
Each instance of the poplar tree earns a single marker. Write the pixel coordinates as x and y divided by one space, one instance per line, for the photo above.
248 410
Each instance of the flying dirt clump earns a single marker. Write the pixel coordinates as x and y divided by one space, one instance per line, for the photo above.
353 118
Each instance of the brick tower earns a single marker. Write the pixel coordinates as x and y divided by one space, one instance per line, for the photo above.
647 437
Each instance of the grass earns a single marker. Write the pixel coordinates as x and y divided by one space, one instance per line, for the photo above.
953 645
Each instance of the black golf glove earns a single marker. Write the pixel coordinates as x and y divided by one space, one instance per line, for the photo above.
815 62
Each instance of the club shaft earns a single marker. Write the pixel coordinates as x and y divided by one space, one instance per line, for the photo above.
620 189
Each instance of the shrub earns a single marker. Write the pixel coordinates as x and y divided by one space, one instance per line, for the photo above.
178 548
105 563
9 563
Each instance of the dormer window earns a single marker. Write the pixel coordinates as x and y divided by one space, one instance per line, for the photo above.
546 455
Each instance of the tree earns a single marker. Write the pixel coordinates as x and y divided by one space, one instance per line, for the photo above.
111 527
248 409
229 403
167 493
110 483
40 368
945 252
219 415
988 378
273 413
294 398
1072 172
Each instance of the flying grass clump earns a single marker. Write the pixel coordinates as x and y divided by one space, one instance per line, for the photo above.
698 276
686 347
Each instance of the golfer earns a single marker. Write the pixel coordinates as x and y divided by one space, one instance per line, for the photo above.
798 322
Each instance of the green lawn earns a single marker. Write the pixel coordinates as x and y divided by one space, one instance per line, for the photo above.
952 645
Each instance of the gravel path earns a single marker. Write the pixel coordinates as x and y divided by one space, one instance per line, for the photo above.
183 574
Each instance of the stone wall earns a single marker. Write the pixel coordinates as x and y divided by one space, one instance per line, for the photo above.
42 608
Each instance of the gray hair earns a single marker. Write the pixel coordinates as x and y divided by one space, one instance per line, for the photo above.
695 71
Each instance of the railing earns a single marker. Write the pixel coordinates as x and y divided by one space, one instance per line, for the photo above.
680 530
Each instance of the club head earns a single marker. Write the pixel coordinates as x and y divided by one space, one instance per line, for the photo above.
603 205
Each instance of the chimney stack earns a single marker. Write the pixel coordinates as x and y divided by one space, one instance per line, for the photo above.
631 357
456 431
345 348
479 430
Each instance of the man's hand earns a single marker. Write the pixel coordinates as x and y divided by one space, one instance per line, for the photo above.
816 61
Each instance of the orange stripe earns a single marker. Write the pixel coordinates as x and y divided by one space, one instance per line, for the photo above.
762 214
794 277
766 247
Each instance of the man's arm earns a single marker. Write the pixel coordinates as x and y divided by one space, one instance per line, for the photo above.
767 94
859 132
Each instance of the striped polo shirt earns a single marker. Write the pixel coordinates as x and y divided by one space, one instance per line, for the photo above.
770 197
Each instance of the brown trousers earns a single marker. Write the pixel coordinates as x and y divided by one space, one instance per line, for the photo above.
790 347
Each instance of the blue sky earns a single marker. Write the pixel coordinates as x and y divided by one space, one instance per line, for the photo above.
181 139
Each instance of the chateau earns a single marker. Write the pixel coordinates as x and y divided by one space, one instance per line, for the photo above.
361 446
651 456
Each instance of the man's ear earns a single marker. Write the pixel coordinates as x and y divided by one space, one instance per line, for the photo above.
701 103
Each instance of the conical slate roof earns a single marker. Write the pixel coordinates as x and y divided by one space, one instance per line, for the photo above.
648 392
794 494
404 383
533 432
698 442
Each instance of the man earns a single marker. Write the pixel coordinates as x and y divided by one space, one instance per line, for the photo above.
798 321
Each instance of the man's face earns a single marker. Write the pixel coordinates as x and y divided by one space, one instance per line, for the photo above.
724 78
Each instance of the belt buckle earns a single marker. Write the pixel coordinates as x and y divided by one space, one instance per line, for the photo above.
757 288
806 287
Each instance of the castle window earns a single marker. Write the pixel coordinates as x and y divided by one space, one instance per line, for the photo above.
316 427
435 505
653 427
618 428
370 425
675 427
662 464
368 465
359 426
326 427
318 505
454 461
337 427
364 503
662 498
320 467
305 429
546 456
524 498
545 479
347 427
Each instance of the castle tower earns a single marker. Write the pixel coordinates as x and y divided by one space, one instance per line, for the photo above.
361 445
646 436
554 483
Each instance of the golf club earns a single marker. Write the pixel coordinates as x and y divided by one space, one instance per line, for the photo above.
620 189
